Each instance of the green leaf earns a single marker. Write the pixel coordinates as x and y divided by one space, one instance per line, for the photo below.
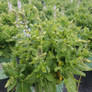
89 64
9 70
38 87
10 87
58 68
83 67
70 84
32 78
1 53
23 87
49 86
77 72
49 77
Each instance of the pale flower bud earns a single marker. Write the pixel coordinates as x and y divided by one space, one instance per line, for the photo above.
10 5
19 4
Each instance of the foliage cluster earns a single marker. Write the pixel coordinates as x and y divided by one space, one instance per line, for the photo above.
48 43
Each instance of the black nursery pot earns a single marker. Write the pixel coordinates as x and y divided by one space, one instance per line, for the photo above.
2 85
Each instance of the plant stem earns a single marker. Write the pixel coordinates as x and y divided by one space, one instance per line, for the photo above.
79 83
13 89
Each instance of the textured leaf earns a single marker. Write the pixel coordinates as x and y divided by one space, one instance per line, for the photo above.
70 84
49 77
31 78
83 67
22 87
39 87
10 87
77 72
49 86
9 70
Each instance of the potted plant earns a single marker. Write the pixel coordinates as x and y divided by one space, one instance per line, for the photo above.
53 52
48 50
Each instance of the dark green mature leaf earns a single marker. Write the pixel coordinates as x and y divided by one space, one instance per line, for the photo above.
32 78
39 87
49 77
49 86
22 87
